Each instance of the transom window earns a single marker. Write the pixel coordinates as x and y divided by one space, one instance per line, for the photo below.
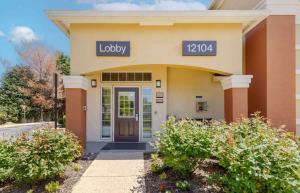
126 104
126 76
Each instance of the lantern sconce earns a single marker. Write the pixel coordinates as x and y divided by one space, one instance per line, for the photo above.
158 83
93 83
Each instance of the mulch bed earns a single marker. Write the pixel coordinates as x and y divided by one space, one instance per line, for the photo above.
198 180
66 181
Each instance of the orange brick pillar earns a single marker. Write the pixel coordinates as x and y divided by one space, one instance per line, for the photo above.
235 96
76 88
270 58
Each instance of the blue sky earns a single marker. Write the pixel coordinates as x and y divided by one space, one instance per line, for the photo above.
25 20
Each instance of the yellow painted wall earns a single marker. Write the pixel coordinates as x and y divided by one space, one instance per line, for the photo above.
156 45
298 58
179 85
298 34
183 87
298 109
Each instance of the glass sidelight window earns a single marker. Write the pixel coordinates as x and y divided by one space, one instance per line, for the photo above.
106 112
126 104
147 112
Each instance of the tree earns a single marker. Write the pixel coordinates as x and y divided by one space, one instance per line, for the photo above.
63 63
11 98
42 61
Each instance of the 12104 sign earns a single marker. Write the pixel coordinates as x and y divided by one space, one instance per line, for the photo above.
199 48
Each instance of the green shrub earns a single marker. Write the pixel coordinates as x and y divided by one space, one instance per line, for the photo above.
77 167
52 187
183 185
182 144
7 155
257 157
29 191
157 165
44 155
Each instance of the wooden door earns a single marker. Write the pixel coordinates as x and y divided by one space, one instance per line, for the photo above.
126 115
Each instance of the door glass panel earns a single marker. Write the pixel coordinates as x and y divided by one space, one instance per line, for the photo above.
126 104
147 112
106 111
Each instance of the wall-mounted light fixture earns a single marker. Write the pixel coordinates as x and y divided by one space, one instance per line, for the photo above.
93 83
158 83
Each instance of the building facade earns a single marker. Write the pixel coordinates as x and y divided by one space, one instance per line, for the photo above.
130 70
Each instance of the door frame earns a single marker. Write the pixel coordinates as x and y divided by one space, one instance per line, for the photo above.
138 88
113 111
113 86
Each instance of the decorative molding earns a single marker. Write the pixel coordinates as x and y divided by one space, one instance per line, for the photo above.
236 81
76 82
290 7
63 19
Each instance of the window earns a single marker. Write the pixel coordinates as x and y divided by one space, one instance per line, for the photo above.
126 76
106 112
147 112
126 104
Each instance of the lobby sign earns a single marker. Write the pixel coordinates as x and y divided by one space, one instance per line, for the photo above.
199 48
113 48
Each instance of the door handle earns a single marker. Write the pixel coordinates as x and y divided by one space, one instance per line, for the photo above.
136 117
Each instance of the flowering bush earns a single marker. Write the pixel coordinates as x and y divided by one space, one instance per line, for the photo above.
7 154
257 157
43 155
182 144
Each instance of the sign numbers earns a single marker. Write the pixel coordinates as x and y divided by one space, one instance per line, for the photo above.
199 48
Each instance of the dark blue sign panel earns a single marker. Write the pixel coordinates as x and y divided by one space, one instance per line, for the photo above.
199 48
113 48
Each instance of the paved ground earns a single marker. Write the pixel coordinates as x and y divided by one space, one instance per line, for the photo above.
8 131
113 172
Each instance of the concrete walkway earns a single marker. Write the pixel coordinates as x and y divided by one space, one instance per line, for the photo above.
113 172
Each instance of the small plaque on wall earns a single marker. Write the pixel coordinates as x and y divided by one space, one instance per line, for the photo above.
159 100
159 95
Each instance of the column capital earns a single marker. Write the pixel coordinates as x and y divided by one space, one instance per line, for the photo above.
236 81
76 82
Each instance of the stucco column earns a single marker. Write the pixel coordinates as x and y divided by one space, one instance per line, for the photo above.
270 57
76 87
236 96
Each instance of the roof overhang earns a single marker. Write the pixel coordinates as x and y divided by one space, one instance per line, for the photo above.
216 4
64 19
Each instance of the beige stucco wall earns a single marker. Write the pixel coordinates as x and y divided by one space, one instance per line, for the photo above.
156 45
298 58
180 86
183 87
298 34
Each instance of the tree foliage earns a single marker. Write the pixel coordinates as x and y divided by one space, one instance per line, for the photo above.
11 99
63 63
30 87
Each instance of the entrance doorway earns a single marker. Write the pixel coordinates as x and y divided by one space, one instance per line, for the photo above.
126 114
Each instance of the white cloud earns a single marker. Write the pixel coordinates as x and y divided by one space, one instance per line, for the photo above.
2 33
23 34
157 5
